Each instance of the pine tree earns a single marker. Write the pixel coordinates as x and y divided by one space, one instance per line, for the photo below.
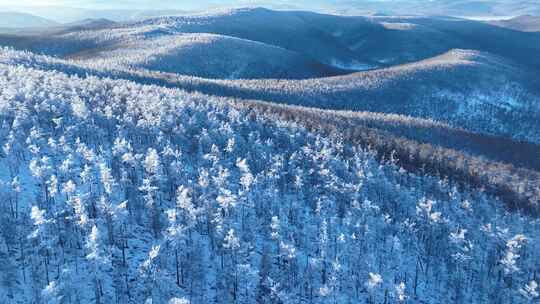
100 263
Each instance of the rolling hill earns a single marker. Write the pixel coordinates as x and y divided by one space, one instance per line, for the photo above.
488 86
419 143
350 43
525 23
87 24
170 143
358 40
476 91
16 20
210 56
467 89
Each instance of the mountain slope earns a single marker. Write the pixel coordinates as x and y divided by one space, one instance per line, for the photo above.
288 30
209 56
136 192
466 89
525 23
350 41
89 24
418 143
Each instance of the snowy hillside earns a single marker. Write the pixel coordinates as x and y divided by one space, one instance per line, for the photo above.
210 56
357 41
257 156
525 23
477 91
134 192
472 75
351 43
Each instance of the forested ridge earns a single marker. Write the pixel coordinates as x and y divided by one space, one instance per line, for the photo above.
510 173
465 89
119 192
503 166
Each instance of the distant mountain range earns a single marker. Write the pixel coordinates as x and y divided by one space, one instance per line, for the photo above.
60 14
525 23
23 20
463 8
437 7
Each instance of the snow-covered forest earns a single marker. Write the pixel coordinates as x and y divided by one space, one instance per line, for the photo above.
115 192
127 177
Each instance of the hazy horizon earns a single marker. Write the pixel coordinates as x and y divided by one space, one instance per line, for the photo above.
7 5
160 5
66 11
